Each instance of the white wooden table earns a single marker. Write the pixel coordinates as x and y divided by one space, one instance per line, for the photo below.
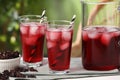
75 68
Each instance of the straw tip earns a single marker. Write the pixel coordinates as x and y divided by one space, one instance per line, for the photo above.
43 13
73 18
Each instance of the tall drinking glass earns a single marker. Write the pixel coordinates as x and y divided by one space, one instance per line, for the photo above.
32 31
100 35
59 40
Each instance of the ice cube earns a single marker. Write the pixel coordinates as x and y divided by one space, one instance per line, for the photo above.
64 46
42 30
117 33
54 35
94 35
31 40
24 29
105 38
114 32
111 29
51 44
101 29
66 35
33 28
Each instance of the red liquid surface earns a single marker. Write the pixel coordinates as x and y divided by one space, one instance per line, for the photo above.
32 37
101 48
59 48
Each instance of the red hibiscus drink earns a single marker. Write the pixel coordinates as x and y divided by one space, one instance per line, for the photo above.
59 41
101 48
32 38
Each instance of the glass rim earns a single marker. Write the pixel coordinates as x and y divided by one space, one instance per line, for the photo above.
97 2
106 26
59 21
22 16
31 17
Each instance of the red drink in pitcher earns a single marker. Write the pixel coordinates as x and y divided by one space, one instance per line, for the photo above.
59 43
101 48
32 37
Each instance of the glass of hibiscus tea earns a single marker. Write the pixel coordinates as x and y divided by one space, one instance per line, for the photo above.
32 32
59 40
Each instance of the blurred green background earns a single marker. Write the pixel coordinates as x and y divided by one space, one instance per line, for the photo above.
10 10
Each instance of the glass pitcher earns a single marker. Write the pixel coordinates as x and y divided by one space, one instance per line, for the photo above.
100 35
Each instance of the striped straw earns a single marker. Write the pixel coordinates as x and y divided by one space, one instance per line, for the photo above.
43 14
72 21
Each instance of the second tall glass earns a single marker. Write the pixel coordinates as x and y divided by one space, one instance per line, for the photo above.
59 40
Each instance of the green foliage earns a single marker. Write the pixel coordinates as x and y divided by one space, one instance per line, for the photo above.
10 10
